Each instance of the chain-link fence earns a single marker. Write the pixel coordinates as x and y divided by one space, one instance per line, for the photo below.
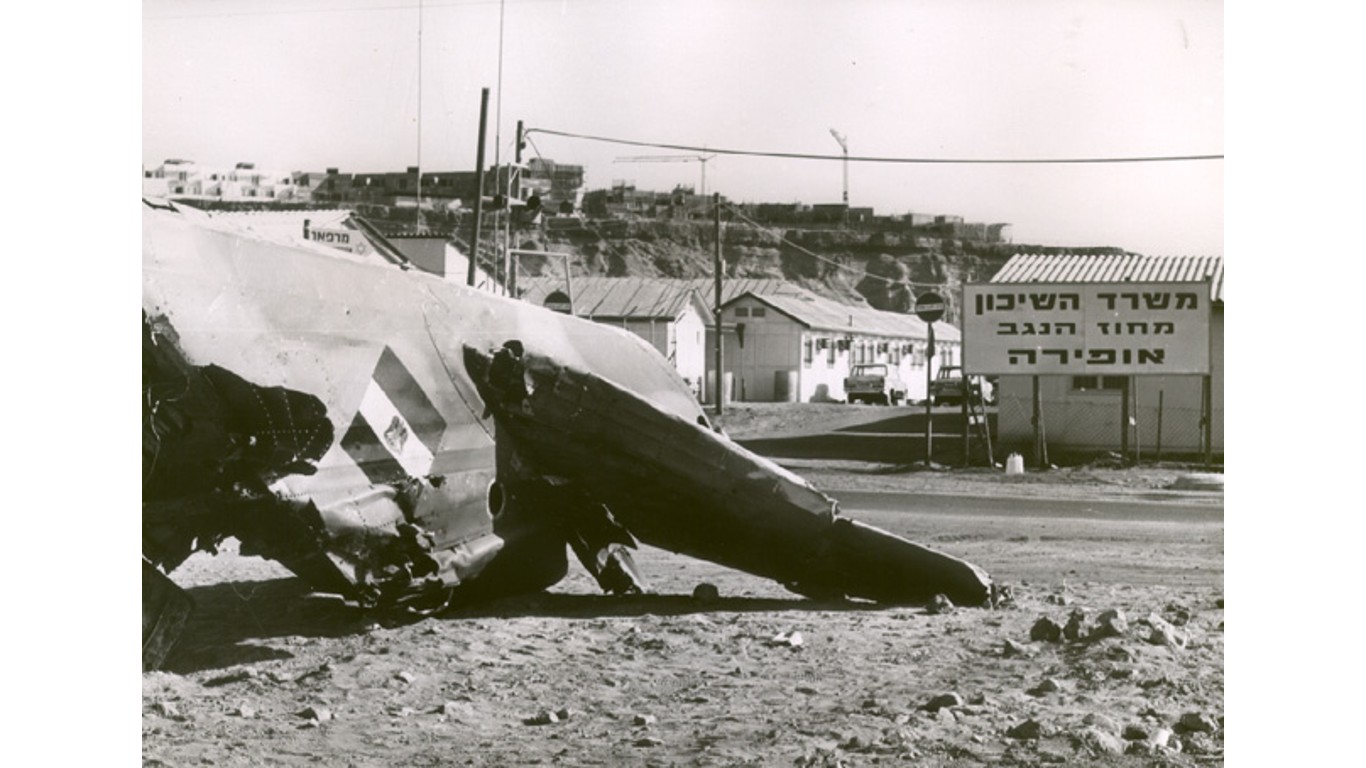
1159 427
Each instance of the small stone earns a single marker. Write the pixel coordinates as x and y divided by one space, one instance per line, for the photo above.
940 604
1011 649
564 713
1047 686
245 711
1045 630
1199 744
1159 738
1134 732
706 593
1059 599
1076 621
1098 742
649 741
645 720
406 676
168 710
1196 722
1167 635
544 717
1102 722
232 677
1029 729
316 714
943 700
1109 624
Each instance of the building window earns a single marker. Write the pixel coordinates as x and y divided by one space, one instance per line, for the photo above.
742 311
807 352
758 312
830 355
1093 383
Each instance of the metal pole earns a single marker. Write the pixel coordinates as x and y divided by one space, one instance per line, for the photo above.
716 270
1207 396
929 409
1124 421
568 284
967 426
479 183
1138 423
1160 394
1038 426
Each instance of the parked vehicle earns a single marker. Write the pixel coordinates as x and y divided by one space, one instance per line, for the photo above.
875 383
947 387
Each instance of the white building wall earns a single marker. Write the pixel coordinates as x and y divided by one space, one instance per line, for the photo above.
689 336
765 365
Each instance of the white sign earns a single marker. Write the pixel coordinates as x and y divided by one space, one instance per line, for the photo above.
345 239
1086 328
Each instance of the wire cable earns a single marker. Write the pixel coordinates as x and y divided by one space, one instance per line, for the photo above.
855 159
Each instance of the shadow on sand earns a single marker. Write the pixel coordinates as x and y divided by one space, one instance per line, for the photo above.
233 622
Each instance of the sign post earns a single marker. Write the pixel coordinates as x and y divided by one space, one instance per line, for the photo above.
929 307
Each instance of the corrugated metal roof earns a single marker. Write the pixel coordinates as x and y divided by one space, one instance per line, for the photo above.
615 297
1114 268
822 314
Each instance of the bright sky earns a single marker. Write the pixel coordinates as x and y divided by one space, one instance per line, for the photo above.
308 84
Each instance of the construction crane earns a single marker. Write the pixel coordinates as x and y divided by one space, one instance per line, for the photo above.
701 159
844 145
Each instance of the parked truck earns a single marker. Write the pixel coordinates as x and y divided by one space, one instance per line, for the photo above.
874 383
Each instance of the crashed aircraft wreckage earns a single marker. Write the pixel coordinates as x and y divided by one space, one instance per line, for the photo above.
408 443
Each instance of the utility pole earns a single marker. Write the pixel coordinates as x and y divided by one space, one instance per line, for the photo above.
716 268
479 183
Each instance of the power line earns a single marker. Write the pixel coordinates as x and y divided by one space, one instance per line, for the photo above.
851 158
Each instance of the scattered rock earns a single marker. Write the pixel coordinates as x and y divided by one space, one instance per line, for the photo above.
544 717
1047 686
1098 742
245 711
649 741
1167 635
232 677
1111 623
1199 744
1059 599
1045 630
1135 732
406 676
1011 649
943 700
1076 623
1030 729
316 714
790 639
1101 721
168 710
706 593
940 604
646 720
564 713
1197 722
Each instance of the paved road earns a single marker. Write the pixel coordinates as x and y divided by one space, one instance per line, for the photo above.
1170 509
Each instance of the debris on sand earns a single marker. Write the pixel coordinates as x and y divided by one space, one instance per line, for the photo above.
943 700
792 640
